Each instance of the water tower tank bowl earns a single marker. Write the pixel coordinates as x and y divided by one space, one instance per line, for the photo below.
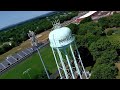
61 37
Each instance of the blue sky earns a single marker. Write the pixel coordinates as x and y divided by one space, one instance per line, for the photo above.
13 17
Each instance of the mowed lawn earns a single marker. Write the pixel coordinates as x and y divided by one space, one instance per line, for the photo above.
34 63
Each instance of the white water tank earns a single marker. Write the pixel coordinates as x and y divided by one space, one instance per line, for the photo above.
61 37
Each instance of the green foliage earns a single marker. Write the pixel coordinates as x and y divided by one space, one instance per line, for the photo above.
2 50
86 40
90 38
108 57
104 22
104 71
98 47
80 40
74 28
90 27
87 19
115 41
110 32
6 47
111 21
82 29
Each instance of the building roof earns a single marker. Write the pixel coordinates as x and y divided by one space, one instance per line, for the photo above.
88 14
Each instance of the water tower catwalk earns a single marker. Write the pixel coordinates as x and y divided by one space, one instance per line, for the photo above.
63 45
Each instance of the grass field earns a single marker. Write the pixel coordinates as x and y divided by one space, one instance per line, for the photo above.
34 63
114 39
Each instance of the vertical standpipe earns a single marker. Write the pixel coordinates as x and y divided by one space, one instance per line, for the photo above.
57 63
63 65
69 64
75 62
80 60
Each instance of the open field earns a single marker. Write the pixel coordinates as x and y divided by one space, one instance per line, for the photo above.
34 63
24 45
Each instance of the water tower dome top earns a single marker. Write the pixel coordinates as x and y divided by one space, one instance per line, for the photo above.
60 37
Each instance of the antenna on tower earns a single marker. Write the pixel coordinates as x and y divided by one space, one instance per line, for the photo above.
56 24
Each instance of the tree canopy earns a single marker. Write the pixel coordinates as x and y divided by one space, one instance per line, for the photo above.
104 71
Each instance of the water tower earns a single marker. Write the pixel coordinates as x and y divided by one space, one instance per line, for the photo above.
63 45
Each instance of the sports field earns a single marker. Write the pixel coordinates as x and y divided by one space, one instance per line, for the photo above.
40 37
34 63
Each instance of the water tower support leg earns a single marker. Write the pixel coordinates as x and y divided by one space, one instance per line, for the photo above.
69 64
56 63
63 65
81 60
75 62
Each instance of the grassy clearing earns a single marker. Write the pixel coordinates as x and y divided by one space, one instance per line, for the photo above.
34 63
112 29
114 39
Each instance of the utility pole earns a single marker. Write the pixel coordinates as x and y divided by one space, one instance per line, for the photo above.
34 44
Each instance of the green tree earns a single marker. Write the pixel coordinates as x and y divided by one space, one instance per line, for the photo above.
80 40
2 50
87 19
90 38
98 47
104 71
104 22
108 57
90 27
74 28
110 32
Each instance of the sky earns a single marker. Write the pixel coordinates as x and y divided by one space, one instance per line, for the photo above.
12 17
